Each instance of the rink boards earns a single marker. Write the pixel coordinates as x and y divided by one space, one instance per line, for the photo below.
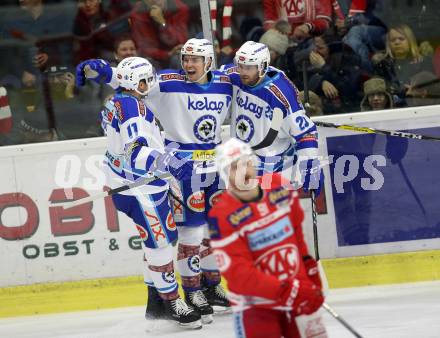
90 256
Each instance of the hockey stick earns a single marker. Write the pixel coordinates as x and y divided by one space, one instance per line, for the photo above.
277 119
135 184
315 224
341 320
376 131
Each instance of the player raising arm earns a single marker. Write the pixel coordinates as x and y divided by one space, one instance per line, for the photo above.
191 105
256 234
135 149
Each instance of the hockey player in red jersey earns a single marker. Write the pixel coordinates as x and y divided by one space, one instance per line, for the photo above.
256 233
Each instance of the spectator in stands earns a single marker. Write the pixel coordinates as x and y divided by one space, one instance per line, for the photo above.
333 72
314 106
376 96
307 17
362 31
277 42
400 61
96 28
124 47
160 28
424 90
38 28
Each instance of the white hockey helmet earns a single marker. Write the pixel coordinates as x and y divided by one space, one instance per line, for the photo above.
229 152
254 54
131 70
199 47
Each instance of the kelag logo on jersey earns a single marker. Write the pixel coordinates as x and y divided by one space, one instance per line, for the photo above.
206 105
204 128
244 128
271 235
253 107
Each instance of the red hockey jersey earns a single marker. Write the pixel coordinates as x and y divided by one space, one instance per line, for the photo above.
258 245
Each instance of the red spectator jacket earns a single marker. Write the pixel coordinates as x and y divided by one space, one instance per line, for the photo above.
316 13
258 245
154 41
356 7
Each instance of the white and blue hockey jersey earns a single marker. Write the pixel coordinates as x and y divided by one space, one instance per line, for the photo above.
251 117
133 142
191 114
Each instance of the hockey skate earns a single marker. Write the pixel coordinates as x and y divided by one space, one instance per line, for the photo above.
197 300
155 306
216 297
185 315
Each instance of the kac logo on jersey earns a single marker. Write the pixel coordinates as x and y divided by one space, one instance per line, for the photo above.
281 262
252 107
205 127
244 128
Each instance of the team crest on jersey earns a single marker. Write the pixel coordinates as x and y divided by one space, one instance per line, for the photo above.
240 215
174 76
274 89
278 195
244 128
170 223
281 262
142 232
205 127
196 201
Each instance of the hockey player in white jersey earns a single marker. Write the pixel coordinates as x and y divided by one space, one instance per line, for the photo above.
267 114
191 105
135 149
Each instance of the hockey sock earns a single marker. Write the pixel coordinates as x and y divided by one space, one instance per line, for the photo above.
161 271
208 264
147 276
188 264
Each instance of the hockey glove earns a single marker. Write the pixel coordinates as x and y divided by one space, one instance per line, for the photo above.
311 175
302 296
312 270
96 70
179 168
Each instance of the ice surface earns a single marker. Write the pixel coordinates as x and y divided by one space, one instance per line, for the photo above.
406 310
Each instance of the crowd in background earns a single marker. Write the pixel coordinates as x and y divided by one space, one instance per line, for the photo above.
348 56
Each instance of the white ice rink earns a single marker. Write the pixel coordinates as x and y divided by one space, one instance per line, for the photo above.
401 311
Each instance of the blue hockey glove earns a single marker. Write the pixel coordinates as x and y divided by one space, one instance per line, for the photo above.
96 70
311 175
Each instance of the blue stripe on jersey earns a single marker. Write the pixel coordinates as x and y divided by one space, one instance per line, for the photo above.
115 124
192 146
308 131
307 144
